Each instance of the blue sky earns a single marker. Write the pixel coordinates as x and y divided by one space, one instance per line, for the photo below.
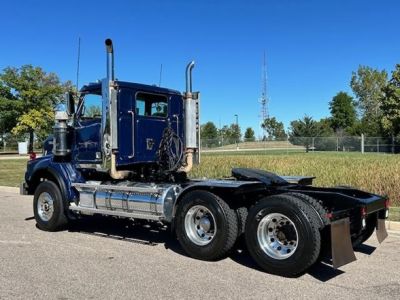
311 46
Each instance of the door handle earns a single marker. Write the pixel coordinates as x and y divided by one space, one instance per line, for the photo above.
133 133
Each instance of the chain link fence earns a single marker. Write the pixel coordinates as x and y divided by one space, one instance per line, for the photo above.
307 144
9 143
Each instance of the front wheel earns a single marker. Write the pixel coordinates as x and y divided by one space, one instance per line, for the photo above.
48 207
282 235
206 226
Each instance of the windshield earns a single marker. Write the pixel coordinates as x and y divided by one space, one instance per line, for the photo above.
90 105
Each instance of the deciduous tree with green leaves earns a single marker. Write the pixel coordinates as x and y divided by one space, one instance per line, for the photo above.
10 108
343 112
32 93
391 104
249 135
368 84
209 134
230 134
209 131
41 120
275 129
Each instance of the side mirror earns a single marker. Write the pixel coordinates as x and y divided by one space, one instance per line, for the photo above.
70 102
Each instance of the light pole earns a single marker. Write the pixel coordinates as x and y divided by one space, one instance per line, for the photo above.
3 135
237 131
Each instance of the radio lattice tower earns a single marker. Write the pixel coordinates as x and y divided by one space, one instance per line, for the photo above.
264 97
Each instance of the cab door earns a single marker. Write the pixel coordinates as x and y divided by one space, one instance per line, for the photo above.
151 113
126 125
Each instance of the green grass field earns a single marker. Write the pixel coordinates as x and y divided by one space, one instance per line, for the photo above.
12 171
377 173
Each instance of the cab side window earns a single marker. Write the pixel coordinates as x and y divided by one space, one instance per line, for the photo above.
151 105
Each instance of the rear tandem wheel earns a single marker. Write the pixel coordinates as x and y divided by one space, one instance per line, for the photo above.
282 235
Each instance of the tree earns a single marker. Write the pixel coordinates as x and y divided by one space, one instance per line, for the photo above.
249 135
274 128
343 112
10 109
235 132
41 120
391 104
367 84
209 134
209 131
33 92
230 134
302 131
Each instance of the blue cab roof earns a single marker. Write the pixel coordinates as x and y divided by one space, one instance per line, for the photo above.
137 86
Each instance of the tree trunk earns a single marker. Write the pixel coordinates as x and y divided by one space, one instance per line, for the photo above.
30 148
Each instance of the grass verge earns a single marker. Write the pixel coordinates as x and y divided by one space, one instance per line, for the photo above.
12 171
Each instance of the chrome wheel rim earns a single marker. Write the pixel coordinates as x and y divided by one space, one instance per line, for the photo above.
200 225
45 206
277 236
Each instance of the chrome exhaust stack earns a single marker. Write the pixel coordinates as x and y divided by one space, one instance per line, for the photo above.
192 123
109 118
110 59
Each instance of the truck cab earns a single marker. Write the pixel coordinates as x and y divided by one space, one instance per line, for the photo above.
143 113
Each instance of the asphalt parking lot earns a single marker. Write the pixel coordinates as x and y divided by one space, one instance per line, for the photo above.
106 259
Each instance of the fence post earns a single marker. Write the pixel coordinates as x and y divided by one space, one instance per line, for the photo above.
337 144
392 144
377 145
362 143
313 144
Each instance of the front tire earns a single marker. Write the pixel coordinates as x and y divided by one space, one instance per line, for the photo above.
282 235
206 226
48 207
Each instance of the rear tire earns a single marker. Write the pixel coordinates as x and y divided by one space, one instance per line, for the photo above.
282 235
206 226
48 207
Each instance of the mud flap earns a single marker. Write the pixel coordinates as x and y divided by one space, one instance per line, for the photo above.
381 233
342 248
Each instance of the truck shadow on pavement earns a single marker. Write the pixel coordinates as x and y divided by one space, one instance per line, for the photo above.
138 231
321 271
154 233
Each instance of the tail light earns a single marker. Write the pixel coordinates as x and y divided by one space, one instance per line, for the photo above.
387 203
363 216
363 212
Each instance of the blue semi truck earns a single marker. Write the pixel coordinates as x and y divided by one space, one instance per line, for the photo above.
124 150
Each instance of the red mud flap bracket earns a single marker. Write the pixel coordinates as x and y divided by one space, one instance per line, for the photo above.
342 248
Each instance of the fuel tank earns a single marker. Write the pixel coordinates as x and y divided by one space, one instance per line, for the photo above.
138 200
